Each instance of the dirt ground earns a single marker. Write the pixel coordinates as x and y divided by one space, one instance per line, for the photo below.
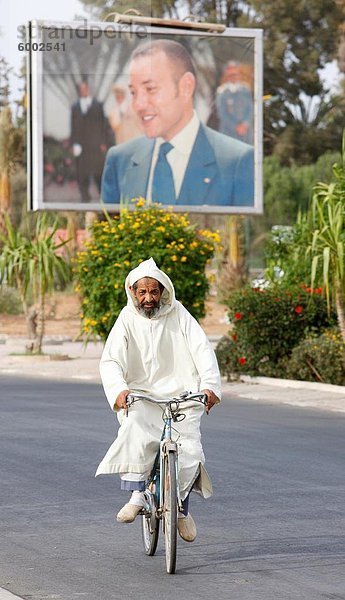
63 318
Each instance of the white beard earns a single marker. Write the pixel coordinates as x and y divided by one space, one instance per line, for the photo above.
149 313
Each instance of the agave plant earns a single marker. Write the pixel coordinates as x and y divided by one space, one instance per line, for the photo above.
13 263
327 247
33 265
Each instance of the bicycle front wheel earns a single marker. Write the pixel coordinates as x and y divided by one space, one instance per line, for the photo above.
170 511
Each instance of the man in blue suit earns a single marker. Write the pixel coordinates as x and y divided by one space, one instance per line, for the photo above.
179 161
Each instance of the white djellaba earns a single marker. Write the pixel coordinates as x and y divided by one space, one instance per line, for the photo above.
160 356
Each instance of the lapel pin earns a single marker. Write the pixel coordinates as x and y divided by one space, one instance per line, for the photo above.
207 180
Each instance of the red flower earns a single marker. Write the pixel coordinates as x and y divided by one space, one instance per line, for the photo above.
49 168
242 360
234 337
298 310
238 316
318 290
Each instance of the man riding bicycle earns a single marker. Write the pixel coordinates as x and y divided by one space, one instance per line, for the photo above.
156 348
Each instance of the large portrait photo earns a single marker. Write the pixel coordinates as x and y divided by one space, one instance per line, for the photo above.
171 116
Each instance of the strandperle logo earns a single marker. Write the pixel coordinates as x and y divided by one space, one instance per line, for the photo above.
82 31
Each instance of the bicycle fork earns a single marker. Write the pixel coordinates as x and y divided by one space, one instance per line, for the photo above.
168 445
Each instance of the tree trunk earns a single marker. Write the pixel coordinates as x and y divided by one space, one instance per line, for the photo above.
339 305
29 314
37 344
90 218
72 231
5 198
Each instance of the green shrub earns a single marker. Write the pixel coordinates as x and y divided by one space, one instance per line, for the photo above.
267 325
10 301
227 356
319 359
118 245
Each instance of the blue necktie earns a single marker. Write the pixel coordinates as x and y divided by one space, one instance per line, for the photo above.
163 189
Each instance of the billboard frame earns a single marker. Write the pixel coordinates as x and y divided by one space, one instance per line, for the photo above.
35 140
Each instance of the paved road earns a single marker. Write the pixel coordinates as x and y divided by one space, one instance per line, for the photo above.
273 531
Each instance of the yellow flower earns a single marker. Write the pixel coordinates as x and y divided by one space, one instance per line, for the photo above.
126 263
174 258
121 226
183 258
116 285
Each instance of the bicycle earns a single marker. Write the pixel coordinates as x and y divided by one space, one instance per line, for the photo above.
162 493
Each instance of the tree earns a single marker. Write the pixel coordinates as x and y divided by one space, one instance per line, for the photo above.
298 43
11 143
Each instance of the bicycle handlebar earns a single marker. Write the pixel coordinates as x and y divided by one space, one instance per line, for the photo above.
184 397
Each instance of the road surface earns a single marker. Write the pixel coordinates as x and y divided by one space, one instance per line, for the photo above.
274 529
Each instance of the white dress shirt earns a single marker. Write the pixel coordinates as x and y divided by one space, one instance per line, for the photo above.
178 157
85 104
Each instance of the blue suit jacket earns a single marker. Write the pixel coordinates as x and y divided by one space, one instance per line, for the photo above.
220 171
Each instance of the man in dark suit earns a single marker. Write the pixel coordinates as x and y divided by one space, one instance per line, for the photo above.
179 161
89 136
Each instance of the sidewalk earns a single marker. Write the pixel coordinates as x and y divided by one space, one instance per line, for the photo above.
71 361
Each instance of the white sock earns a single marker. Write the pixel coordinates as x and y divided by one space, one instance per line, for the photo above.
137 498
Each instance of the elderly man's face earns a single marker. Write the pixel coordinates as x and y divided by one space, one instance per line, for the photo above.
161 97
148 295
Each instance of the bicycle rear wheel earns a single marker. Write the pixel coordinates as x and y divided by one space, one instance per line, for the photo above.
170 511
150 525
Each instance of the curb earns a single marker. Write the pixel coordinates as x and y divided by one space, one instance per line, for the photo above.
6 595
295 384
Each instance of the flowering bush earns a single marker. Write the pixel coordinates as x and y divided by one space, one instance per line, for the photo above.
118 245
319 359
266 325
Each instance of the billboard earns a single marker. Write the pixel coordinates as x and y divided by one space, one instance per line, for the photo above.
117 112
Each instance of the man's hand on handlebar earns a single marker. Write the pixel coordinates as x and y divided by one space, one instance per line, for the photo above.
121 399
212 399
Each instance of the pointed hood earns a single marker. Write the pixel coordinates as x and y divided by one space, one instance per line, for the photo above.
148 268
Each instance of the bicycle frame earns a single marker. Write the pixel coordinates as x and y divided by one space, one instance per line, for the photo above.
163 502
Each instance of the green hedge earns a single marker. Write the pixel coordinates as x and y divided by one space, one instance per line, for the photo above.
266 326
319 359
